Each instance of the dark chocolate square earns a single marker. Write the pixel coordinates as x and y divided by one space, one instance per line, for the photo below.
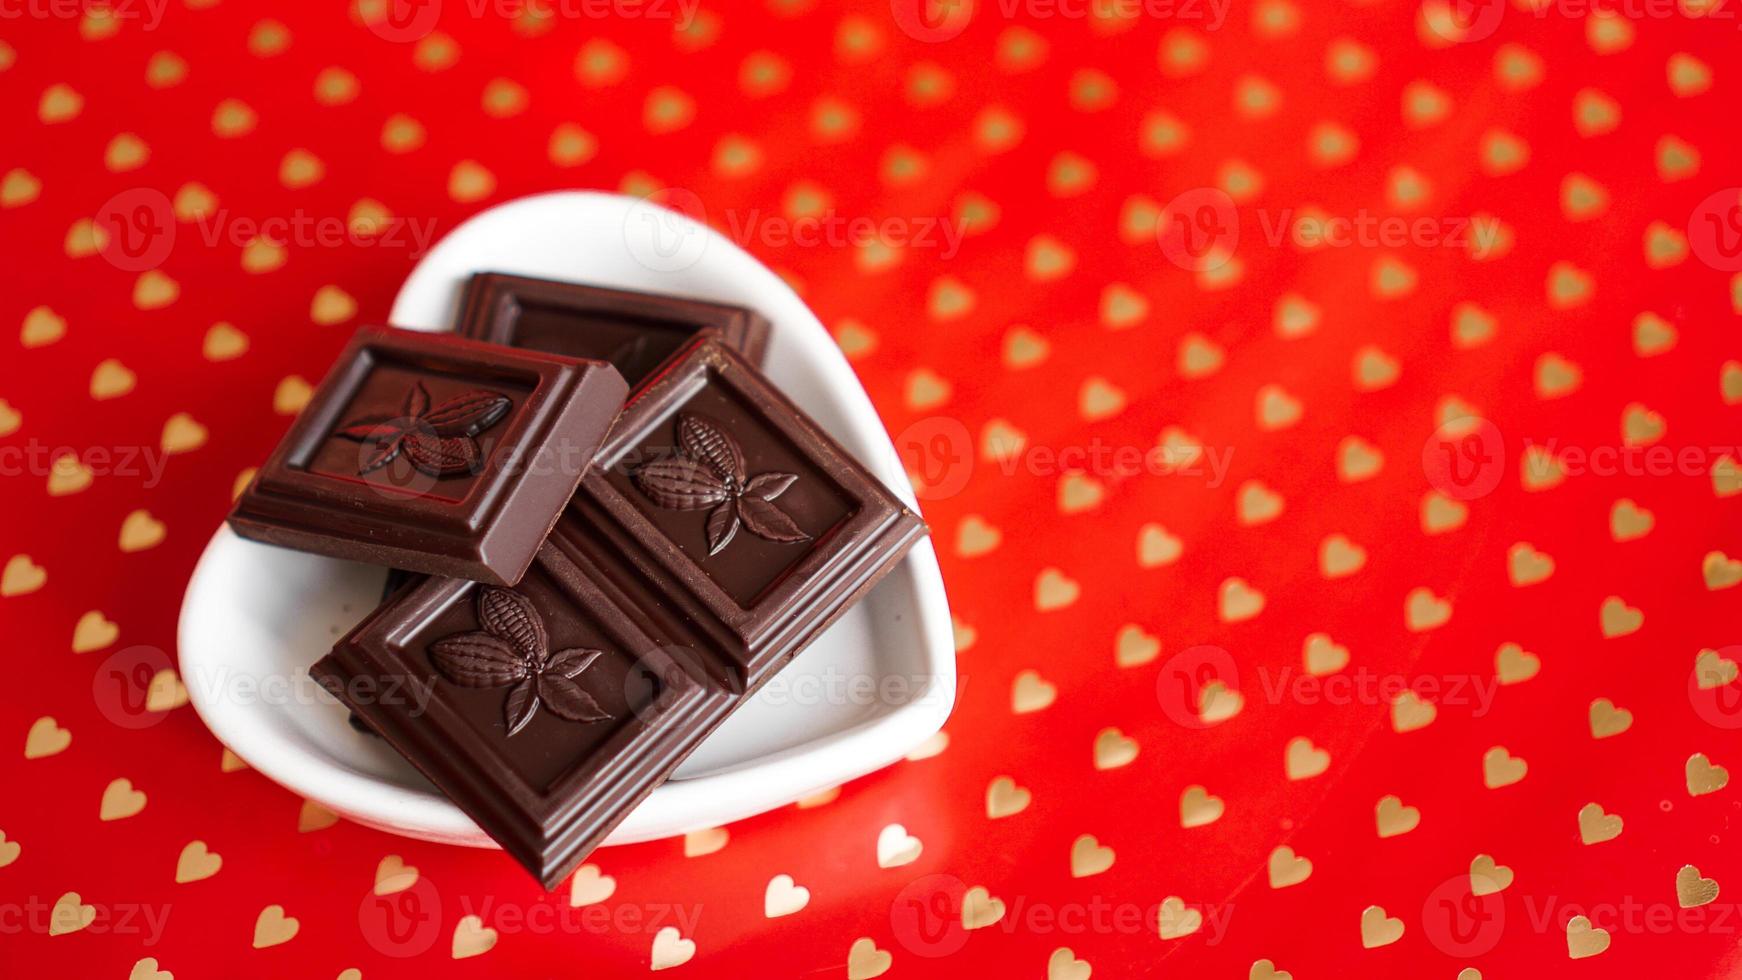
639 333
433 453
543 711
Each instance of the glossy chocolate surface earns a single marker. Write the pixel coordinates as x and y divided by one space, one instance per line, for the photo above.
433 453
639 333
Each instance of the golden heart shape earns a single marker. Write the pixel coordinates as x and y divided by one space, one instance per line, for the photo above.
1266 970
1132 647
1527 566
1705 777
141 532
1514 665
299 168
1004 798
1691 890
1664 246
1487 877
903 165
1568 286
393 875
194 202
181 434
1113 749
1440 513
590 886
1608 720
1237 601
1122 307
1374 369
1323 656
1217 703
1031 692
263 255
784 897
19 188
1023 348
980 909
1720 570
232 118
855 339
1286 868
401 134
1358 459
1472 326
125 152
1257 503
1712 669
1391 278
1393 818
336 86
1409 712
94 632
470 181
1304 760
196 863
473 938
1276 408
10 418
865 961
949 299
504 98
70 914
1175 920
896 847
166 692
1001 441
1628 520
975 537
1501 768
112 379
698 843
21 576
1425 104
1584 939
1617 618
120 801
1688 75
9 850
1099 399
1730 382
291 395
1069 174
1053 590
46 738
1064 965
331 306
1199 356
67 476
1079 492
42 326
59 103
1295 316
1156 546
1640 426
1595 826
1726 477
1198 808
1582 199
1676 159
1519 67
313 816
1422 610
1139 217
1339 557
146 969
1089 857
1047 259
1378 929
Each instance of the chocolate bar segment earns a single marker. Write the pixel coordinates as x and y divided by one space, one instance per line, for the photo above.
732 516
435 454
542 710
717 534
639 333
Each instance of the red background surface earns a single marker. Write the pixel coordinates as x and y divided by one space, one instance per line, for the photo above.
1060 318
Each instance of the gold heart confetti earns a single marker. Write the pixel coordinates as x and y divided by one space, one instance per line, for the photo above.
980 909
1691 890
1712 669
181 434
1322 656
1099 399
141 532
1393 818
1617 618
1023 348
1514 665
1487 877
1358 459
1378 929
1004 798
1704 777
1303 760
1527 566
1422 610
473 938
146 969
1557 377
46 738
1031 692
291 395
1286 868
9 850
784 897
1628 521
393 875
1584 939
67 476
10 418
1409 712
865 961
70 914
1113 749
1266 970
112 379
1237 601
1064 965
975 537
1276 408
1132 647
590 886
1440 513
1217 703
1501 768
1198 808
196 863
1257 503
896 847
42 326
1595 826
331 306
120 801
1720 570
1175 920
166 692
1608 720
21 576
1157 547
312 816
1089 857
698 843
153 290
1053 590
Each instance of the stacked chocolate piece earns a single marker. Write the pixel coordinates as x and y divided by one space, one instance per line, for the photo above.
619 528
